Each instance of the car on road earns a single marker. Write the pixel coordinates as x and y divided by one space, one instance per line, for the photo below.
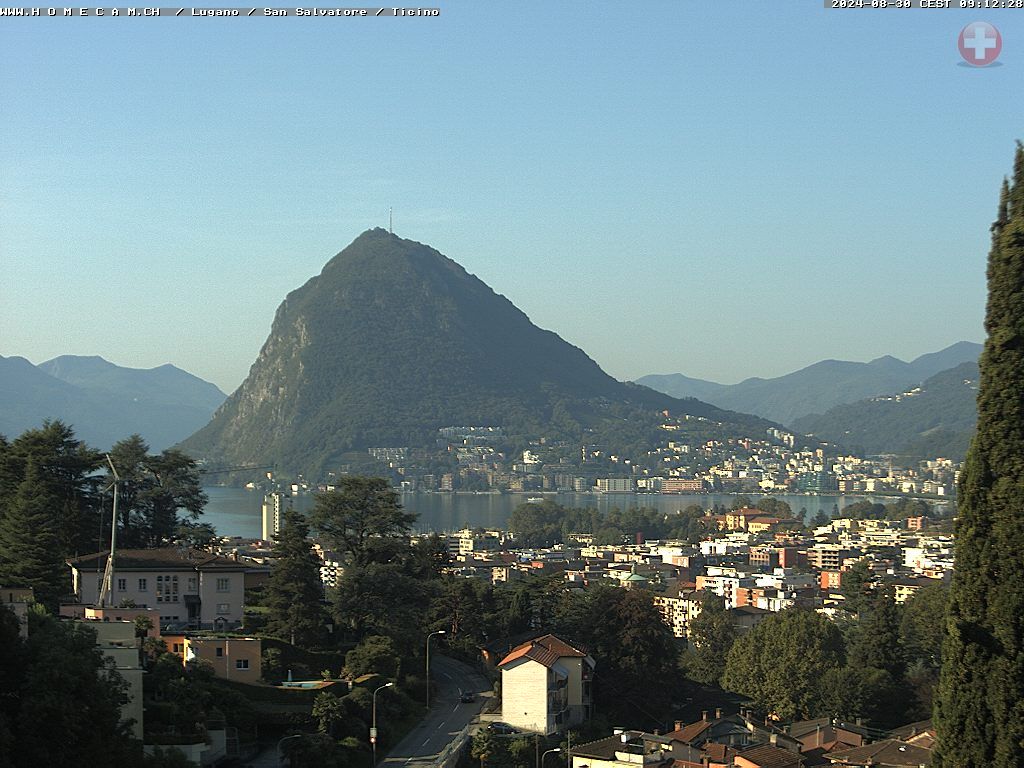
501 728
467 697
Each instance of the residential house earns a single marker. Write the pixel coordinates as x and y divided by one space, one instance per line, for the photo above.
767 756
630 749
545 685
231 658
889 753
190 588
740 732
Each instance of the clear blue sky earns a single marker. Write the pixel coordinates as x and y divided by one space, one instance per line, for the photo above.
722 189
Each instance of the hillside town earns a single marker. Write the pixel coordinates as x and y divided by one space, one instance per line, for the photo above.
196 606
681 459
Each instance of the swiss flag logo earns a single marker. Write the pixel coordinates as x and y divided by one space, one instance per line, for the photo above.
980 43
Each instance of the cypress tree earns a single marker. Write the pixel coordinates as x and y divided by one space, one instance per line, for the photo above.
294 590
30 549
979 710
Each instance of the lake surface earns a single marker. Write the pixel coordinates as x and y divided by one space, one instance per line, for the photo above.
236 511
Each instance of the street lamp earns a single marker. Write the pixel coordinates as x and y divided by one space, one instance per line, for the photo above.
540 763
373 728
439 632
282 741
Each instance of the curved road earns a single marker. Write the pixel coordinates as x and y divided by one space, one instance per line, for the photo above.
447 717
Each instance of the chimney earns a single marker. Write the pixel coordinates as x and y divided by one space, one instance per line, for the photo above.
679 725
704 715
718 714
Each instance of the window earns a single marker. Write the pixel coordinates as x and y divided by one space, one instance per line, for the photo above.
223 585
223 608
142 585
220 652
167 589
192 585
179 648
122 585
241 663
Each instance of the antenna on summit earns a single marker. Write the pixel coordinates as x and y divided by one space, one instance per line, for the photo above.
391 220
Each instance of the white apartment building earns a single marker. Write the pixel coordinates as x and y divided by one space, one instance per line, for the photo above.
272 514
545 685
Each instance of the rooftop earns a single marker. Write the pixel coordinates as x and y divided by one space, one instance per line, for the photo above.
163 558
544 650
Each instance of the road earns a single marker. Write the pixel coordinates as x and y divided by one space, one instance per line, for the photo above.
447 717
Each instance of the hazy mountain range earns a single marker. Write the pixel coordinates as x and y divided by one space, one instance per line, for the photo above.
818 387
934 419
104 402
393 341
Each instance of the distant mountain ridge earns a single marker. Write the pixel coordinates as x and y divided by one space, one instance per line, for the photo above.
934 419
392 341
818 387
104 402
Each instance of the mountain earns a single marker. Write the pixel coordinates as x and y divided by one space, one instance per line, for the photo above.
393 341
164 385
935 419
678 385
104 402
818 387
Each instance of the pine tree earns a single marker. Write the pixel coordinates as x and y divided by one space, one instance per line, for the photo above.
30 548
978 711
294 590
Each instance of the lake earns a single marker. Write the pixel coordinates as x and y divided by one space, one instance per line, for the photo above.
236 511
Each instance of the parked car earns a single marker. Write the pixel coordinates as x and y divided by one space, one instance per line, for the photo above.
467 697
501 728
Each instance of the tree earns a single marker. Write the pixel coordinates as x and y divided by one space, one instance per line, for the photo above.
712 635
68 688
978 712
490 750
856 586
294 590
66 467
853 691
781 663
459 608
358 511
634 648
152 492
876 635
30 548
921 627
776 507
381 599
537 525
374 655
328 711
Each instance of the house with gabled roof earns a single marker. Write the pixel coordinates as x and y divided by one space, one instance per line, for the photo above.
889 753
190 588
767 756
546 685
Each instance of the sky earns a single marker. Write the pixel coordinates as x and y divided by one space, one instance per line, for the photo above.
721 189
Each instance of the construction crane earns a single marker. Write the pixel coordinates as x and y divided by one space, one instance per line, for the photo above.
107 587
